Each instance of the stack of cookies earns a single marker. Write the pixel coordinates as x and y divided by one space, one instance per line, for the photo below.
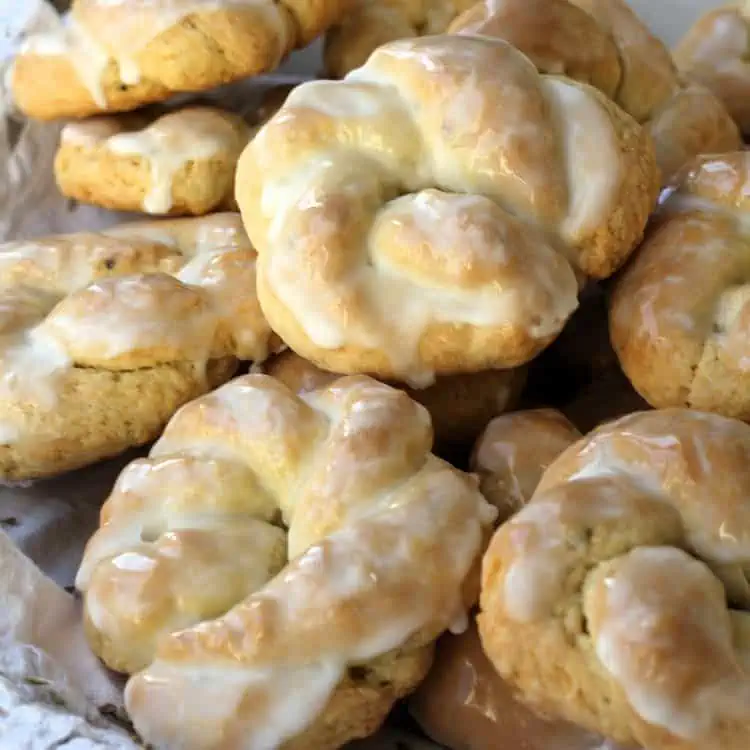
467 218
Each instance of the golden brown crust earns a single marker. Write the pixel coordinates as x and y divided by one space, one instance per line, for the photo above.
459 405
617 598
607 249
678 312
361 704
200 50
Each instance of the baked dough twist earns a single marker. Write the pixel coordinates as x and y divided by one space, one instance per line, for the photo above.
114 57
425 215
459 405
103 336
679 313
605 44
715 52
371 23
382 539
618 597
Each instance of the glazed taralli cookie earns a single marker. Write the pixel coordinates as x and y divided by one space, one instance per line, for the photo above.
618 597
117 56
463 702
433 212
715 52
371 23
104 336
328 542
459 405
679 312
182 162
174 162
604 43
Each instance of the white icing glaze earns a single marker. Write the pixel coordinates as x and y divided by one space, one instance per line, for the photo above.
592 157
650 585
194 134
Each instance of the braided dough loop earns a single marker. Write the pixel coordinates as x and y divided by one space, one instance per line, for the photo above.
618 598
678 313
103 336
111 57
507 181
605 44
382 537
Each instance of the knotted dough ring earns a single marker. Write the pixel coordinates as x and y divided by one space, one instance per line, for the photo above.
604 43
427 214
114 57
680 312
103 336
320 629
618 597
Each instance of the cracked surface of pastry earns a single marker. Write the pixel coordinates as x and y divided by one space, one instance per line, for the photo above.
117 56
618 597
605 44
328 542
433 212
104 335
678 312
